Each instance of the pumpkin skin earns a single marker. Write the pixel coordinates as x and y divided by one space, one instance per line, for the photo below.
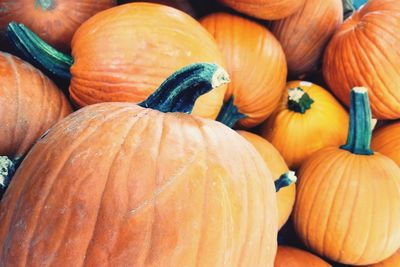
293 257
367 45
124 59
293 133
255 61
265 9
55 21
386 140
30 104
393 261
210 204
277 166
305 34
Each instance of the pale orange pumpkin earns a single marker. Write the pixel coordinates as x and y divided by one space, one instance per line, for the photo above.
294 257
364 52
257 66
386 140
393 261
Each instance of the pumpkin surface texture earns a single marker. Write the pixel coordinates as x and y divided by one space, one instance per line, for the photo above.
386 140
256 64
29 105
265 9
365 52
308 118
55 21
348 200
278 167
293 257
160 189
122 54
305 34
393 261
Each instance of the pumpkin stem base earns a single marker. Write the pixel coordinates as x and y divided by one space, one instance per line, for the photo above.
229 114
7 170
298 100
285 180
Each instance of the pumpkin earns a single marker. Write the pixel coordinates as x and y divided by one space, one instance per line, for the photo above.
55 21
277 166
294 257
392 261
123 53
308 118
348 199
305 34
30 104
386 140
257 65
265 9
183 5
120 184
364 52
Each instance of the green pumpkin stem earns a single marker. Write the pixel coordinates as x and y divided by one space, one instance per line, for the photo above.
179 92
7 170
285 180
38 52
229 114
298 100
360 132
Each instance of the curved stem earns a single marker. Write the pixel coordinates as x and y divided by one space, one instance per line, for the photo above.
298 100
180 91
7 170
38 52
285 180
359 135
229 114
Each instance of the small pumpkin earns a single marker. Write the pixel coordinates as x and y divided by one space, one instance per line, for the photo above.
257 66
393 261
308 118
265 9
122 54
55 21
30 104
120 184
348 200
294 257
305 33
279 170
386 140
364 52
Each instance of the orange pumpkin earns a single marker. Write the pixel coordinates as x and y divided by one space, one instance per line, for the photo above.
122 54
305 34
278 167
256 63
308 118
55 21
183 5
294 257
29 105
348 199
386 140
265 9
393 261
364 52
117 184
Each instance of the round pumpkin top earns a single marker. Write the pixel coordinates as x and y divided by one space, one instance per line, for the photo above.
386 140
293 257
124 53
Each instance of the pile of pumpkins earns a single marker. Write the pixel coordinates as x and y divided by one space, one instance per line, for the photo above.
140 134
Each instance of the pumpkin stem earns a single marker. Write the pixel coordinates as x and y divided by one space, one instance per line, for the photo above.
179 92
298 100
44 4
359 136
38 52
7 170
230 114
285 180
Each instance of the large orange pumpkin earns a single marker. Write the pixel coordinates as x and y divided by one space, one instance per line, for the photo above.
393 261
53 20
308 118
305 34
386 140
348 200
278 168
116 184
265 9
29 105
294 257
256 64
122 54
365 52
